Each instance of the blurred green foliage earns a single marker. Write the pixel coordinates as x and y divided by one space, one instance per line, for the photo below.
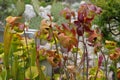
35 22
1 48
17 7
27 1
46 2
55 11
110 12
11 7
4 9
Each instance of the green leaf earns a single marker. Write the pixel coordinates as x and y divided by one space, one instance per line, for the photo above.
7 45
3 74
56 76
1 78
21 74
100 75
35 4
31 72
19 7
14 67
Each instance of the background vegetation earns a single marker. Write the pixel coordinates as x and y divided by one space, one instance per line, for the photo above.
109 20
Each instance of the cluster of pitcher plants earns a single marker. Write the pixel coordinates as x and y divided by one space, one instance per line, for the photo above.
68 53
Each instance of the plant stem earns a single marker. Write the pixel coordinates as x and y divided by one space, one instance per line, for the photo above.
115 69
96 73
106 62
75 63
37 63
54 39
66 72
84 69
41 74
87 62
24 64
77 53
11 58
28 54
52 74
82 62
86 55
